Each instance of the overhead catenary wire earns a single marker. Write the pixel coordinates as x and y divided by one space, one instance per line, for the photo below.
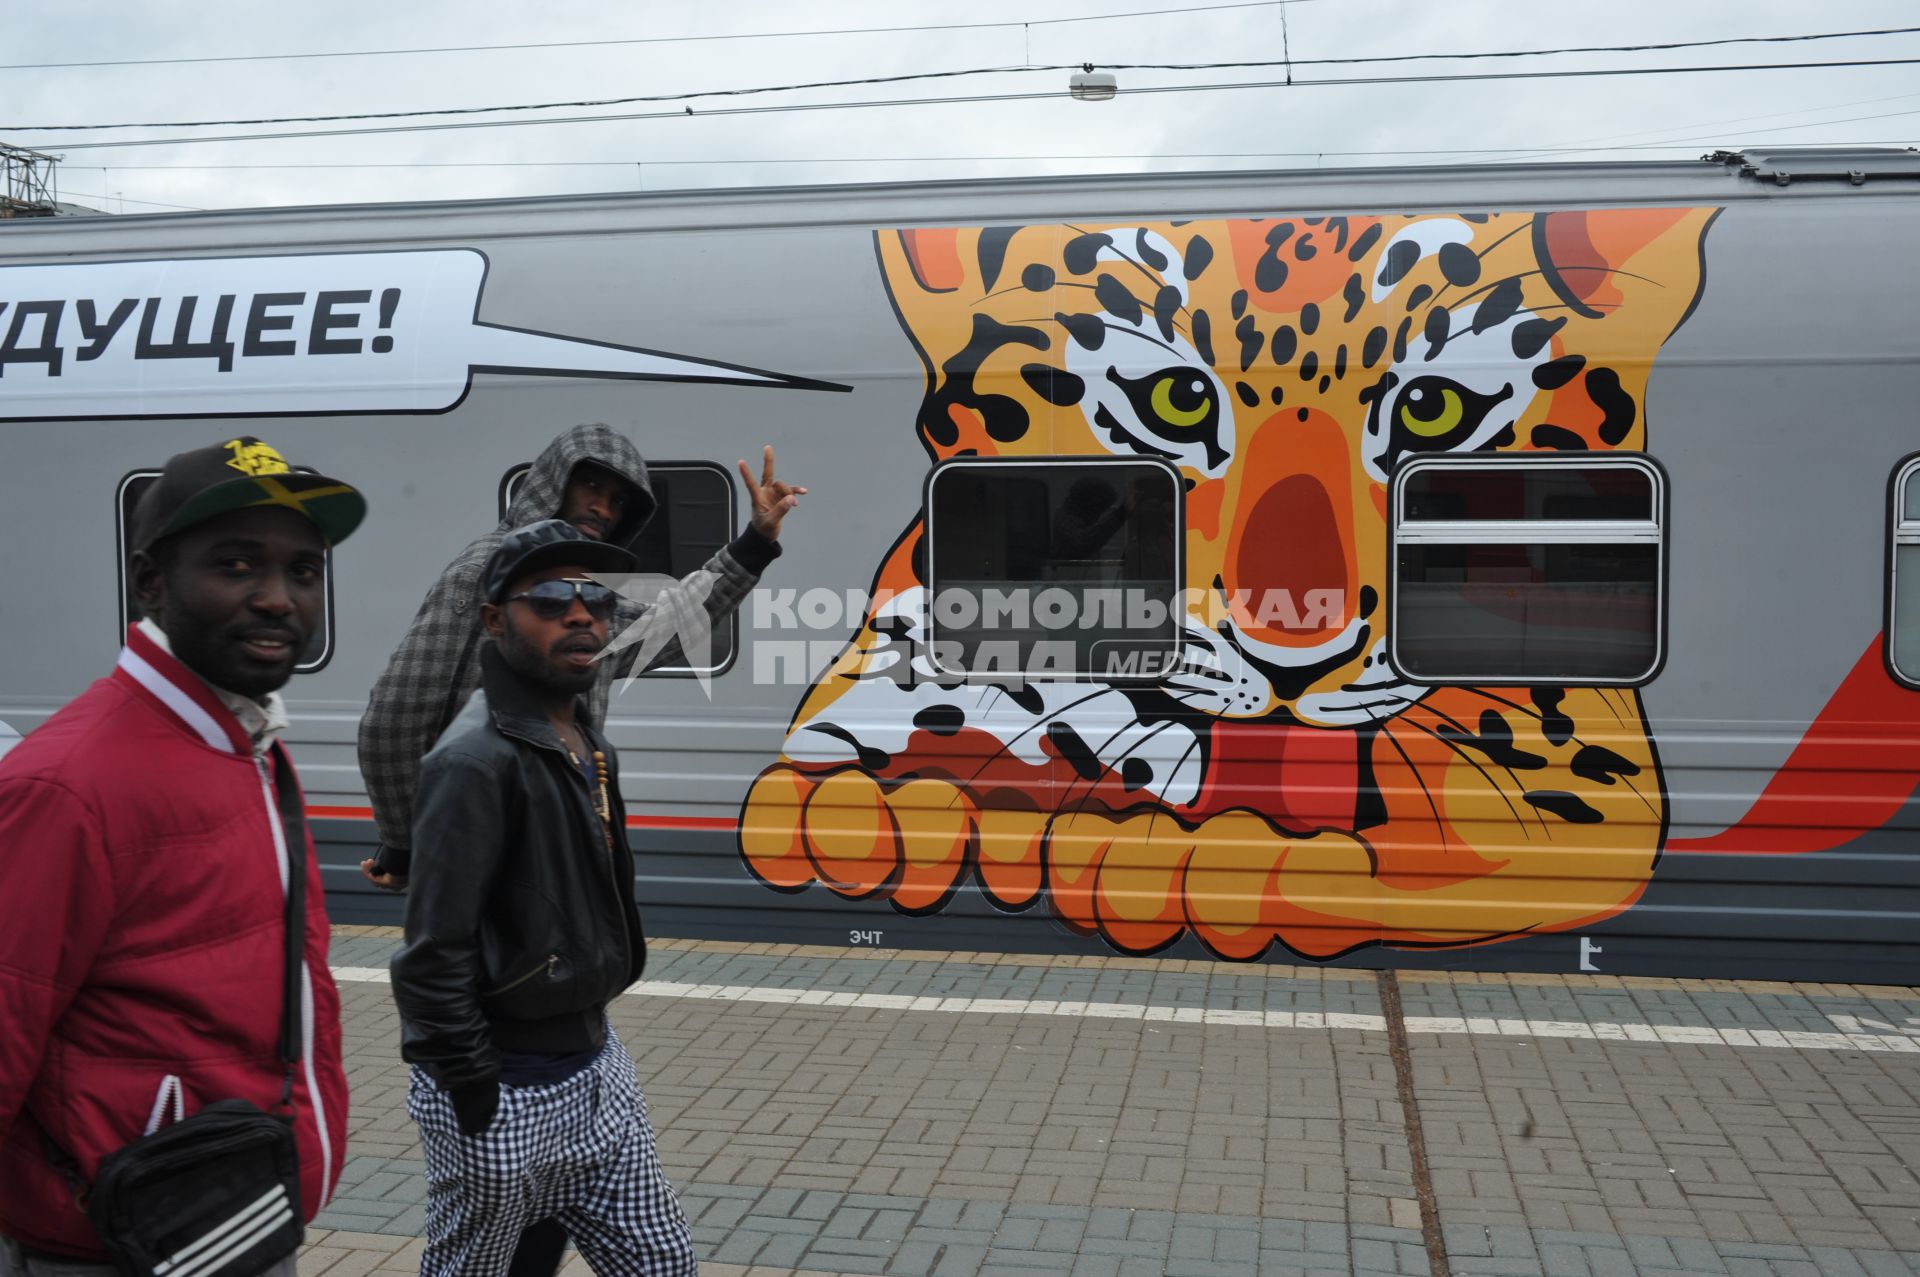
1282 5
1797 114
97 195
966 99
1667 144
1611 141
1287 62
1682 145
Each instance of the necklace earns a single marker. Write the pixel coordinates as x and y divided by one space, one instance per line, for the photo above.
603 804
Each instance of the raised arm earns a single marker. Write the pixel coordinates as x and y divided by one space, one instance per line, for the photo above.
648 631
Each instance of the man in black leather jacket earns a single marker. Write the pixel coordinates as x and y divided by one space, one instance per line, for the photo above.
521 927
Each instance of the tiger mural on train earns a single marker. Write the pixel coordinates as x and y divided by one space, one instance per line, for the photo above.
1297 792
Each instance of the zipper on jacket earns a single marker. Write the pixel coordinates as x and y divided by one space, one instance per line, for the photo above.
613 868
613 856
316 1105
549 966
619 901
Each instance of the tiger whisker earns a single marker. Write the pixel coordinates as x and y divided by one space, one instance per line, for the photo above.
1158 812
1122 329
1541 310
1067 800
1154 276
1473 763
1606 270
1022 288
1574 737
1455 747
1482 255
1439 823
1522 227
1042 720
1091 784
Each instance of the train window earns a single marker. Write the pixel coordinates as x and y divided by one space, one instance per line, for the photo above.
1527 569
1903 590
319 647
693 520
1053 568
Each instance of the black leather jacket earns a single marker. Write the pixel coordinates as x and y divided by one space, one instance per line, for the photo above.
521 923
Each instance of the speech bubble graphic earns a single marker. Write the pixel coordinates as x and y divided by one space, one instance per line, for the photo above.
316 334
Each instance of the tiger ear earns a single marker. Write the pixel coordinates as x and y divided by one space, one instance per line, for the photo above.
964 261
1629 278
941 281
932 257
1579 250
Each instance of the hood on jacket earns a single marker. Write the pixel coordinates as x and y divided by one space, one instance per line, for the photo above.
540 493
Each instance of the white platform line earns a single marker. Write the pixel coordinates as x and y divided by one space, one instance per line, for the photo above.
1481 1026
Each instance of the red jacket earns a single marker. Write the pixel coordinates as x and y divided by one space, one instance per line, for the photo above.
141 935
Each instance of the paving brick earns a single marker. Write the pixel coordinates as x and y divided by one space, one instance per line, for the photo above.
920 1142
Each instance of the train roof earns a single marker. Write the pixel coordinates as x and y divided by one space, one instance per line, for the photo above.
1716 177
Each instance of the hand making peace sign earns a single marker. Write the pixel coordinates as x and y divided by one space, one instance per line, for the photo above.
772 497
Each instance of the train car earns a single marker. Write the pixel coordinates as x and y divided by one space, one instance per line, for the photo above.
1513 568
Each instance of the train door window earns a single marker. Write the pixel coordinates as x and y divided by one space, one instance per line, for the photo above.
1527 570
1903 590
693 520
1053 568
319 647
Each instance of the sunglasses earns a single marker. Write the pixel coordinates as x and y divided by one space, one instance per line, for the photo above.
551 600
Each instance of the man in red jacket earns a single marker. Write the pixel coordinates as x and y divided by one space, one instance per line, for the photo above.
144 854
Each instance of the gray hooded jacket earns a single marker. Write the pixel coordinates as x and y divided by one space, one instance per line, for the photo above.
437 665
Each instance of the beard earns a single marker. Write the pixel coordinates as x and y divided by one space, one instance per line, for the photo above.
543 665
217 655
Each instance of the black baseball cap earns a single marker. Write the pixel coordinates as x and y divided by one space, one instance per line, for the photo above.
239 475
551 543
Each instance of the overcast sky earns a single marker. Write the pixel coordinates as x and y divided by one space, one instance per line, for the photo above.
1284 127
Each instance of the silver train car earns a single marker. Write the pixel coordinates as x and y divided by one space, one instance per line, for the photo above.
1507 568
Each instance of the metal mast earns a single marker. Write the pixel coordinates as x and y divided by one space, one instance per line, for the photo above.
30 189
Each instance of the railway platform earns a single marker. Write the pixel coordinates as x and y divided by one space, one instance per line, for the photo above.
955 1114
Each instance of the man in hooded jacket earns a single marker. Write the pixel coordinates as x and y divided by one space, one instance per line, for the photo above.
594 478
437 665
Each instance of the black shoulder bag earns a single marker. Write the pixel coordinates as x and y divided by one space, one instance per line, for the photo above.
216 1194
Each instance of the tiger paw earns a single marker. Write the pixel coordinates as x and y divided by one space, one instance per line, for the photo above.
1119 875
907 842
1141 879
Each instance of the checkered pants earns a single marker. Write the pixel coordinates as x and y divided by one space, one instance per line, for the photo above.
580 1151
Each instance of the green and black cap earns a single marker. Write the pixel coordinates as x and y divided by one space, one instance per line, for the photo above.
241 474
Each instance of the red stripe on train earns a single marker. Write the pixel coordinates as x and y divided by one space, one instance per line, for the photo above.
1855 768
727 823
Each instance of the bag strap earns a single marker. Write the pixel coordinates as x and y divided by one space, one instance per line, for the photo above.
293 828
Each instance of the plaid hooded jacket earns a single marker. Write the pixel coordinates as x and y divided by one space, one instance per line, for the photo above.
437 665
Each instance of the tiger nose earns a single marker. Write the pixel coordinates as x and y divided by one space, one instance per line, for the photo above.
1293 560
